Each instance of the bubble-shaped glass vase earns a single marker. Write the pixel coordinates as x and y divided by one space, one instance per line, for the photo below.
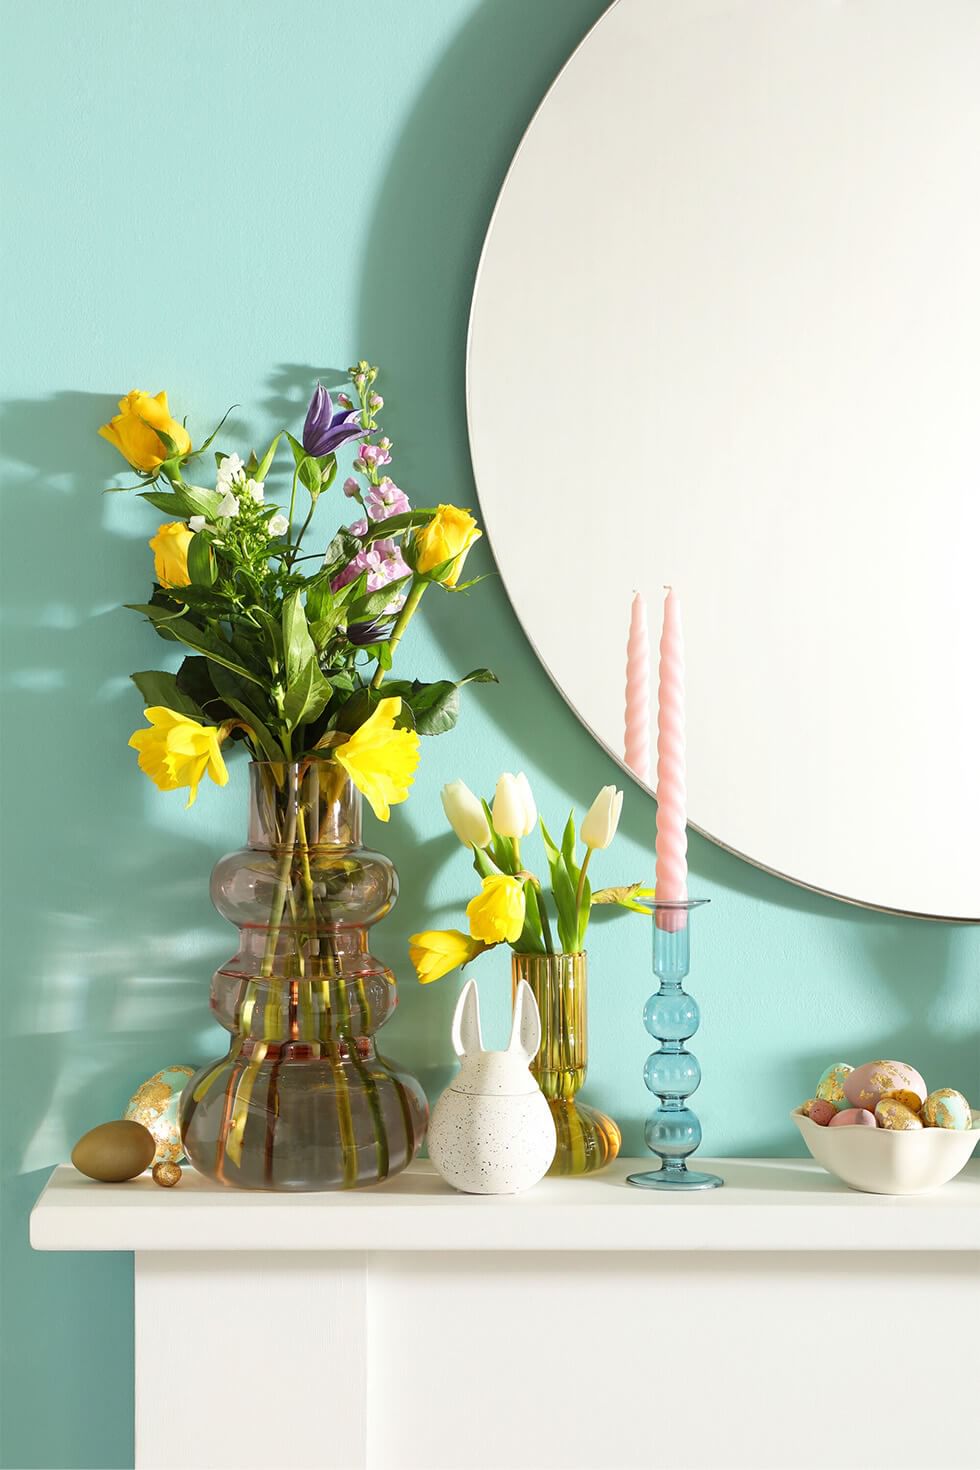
303 1100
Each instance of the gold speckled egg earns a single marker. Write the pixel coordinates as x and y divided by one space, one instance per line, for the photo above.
166 1174
890 1113
114 1151
831 1085
946 1108
154 1104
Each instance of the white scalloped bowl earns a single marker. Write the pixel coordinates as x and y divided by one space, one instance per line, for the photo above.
882 1161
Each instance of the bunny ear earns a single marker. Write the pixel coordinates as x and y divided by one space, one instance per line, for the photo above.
525 1035
467 1040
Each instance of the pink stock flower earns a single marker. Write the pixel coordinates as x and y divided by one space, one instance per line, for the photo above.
386 500
351 488
371 456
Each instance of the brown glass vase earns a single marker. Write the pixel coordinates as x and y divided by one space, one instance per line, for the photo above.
587 1139
303 1100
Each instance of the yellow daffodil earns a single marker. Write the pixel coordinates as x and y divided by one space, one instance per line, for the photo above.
435 952
381 760
496 915
169 547
178 751
450 534
133 431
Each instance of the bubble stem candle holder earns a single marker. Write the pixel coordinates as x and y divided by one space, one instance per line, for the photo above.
672 1073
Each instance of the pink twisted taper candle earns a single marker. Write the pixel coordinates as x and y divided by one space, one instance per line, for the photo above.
671 780
636 750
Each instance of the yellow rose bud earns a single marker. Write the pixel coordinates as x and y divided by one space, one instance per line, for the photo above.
169 547
133 431
496 915
381 760
178 751
449 534
437 951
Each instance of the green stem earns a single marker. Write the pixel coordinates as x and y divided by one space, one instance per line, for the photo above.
292 502
549 943
404 618
578 895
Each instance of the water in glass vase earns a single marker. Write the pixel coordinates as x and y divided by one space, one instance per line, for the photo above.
587 1139
303 1100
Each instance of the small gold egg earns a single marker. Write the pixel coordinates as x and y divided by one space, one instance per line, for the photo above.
167 1173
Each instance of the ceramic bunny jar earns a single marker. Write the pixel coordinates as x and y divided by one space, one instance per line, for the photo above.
492 1131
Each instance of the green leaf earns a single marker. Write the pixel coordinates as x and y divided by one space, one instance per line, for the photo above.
319 597
564 893
503 847
184 631
158 688
342 549
265 463
298 645
403 522
200 560
271 632
328 471
230 691
184 500
309 474
307 696
368 607
299 453
568 847
478 676
214 433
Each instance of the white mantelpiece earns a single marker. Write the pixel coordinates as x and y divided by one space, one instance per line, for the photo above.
584 1325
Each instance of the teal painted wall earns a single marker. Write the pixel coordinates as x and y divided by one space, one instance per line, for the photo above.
225 200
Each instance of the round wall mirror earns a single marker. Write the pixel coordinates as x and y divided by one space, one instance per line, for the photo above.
726 336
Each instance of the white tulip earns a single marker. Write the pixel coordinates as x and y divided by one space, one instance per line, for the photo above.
465 814
602 818
514 812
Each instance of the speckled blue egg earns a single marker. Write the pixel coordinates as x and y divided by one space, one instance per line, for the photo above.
831 1085
154 1104
946 1108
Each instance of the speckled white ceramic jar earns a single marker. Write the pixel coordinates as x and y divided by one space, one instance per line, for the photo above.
492 1131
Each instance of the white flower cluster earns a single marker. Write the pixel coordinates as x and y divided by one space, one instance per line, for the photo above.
232 477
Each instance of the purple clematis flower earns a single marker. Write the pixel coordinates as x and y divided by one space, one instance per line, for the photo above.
326 428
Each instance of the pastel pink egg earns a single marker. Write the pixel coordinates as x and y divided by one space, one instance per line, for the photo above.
867 1085
819 1110
853 1118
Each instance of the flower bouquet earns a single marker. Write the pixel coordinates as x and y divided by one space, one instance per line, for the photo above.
288 653
548 946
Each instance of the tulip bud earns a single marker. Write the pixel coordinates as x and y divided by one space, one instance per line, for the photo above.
514 812
602 819
465 814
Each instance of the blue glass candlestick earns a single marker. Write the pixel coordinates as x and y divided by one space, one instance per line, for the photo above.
672 1016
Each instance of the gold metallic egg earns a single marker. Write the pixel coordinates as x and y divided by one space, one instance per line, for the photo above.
890 1113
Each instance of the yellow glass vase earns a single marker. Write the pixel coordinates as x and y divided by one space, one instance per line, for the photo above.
587 1139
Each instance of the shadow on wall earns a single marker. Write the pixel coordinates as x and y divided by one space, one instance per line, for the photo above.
87 1013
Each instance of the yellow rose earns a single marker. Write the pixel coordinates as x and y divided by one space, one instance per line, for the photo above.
497 913
450 533
133 430
169 547
435 952
381 760
178 751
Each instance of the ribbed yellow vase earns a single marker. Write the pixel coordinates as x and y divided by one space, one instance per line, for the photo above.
587 1139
